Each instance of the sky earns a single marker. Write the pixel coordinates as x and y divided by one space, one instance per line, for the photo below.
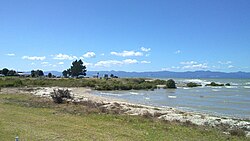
125 35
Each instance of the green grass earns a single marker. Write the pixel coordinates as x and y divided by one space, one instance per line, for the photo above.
33 118
98 84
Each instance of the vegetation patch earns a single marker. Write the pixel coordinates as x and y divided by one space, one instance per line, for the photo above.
214 84
192 84
170 84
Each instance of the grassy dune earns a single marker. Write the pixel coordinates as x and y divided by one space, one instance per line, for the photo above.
98 84
33 118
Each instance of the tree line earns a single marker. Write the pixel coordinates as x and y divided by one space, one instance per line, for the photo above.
76 70
7 72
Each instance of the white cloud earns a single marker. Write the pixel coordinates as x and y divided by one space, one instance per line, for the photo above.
145 49
89 55
45 63
173 68
61 63
225 63
109 63
195 66
61 56
34 57
87 64
188 63
10 54
166 69
145 62
102 54
230 66
127 53
129 61
177 52
147 55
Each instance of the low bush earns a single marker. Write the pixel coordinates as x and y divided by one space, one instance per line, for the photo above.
192 84
214 84
170 84
60 95
18 83
237 132
160 82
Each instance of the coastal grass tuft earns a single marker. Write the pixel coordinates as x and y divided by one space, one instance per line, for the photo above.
35 118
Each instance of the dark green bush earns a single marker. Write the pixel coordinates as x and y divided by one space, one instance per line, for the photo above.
159 82
170 84
192 84
214 84
237 132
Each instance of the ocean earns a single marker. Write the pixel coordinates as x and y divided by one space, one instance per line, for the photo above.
230 101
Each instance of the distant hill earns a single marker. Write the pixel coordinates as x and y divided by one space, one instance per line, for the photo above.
167 74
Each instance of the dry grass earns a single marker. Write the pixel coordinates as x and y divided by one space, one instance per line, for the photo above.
33 118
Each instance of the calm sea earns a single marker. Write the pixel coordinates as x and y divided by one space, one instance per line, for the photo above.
231 101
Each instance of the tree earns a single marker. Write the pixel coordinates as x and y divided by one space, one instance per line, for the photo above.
170 84
76 69
111 75
37 73
49 75
33 73
11 73
65 73
106 76
40 73
5 71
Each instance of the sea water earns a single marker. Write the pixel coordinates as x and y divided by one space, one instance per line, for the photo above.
231 101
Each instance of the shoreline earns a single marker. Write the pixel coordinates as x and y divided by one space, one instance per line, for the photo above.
119 106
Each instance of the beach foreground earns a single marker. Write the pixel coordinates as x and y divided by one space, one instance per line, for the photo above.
83 96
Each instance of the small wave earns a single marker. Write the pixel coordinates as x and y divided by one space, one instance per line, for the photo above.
247 83
172 96
134 93
110 94
247 87
147 98
186 88
231 87
215 90
195 80
234 84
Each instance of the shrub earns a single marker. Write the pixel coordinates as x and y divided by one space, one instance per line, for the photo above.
18 83
125 87
159 82
237 132
170 84
214 84
59 95
192 84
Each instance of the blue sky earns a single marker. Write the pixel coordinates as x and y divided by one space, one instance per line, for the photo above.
128 35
